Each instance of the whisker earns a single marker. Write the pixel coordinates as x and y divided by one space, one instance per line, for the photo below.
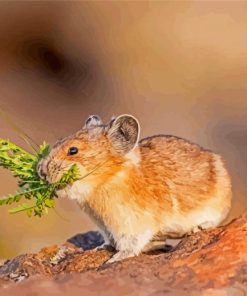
20 133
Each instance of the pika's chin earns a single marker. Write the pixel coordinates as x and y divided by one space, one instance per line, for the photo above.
78 191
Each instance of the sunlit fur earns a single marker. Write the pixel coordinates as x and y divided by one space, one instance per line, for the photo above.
164 186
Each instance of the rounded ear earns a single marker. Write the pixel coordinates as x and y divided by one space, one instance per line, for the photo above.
124 133
93 120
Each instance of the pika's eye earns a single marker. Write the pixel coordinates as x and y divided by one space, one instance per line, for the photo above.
72 151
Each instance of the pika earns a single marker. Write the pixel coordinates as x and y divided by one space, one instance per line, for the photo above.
140 192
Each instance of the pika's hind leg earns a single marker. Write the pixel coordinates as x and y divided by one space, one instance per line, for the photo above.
155 245
158 242
202 226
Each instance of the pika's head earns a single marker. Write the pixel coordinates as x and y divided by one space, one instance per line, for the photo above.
98 150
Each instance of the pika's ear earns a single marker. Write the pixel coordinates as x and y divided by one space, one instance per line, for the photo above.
124 133
93 120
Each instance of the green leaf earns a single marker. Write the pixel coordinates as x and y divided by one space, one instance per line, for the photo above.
23 166
29 212
50 203
20 208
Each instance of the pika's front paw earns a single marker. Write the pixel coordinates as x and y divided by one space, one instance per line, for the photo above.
120 256
105 246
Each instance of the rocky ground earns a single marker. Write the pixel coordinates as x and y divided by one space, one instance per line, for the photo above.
210 262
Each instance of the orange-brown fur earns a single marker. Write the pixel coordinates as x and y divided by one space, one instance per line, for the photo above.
164 186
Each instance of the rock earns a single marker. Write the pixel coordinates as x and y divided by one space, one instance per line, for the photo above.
209 262
87 241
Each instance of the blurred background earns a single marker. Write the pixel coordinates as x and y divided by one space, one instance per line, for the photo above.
180 67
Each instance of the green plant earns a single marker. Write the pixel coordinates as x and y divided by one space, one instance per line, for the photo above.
23 166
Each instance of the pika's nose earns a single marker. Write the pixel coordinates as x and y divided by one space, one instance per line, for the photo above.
41 171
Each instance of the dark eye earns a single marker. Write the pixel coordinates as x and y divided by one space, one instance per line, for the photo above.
72 151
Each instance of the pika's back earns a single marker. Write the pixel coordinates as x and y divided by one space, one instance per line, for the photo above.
171 150
184 169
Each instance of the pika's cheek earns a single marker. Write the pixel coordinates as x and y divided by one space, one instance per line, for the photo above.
82 171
